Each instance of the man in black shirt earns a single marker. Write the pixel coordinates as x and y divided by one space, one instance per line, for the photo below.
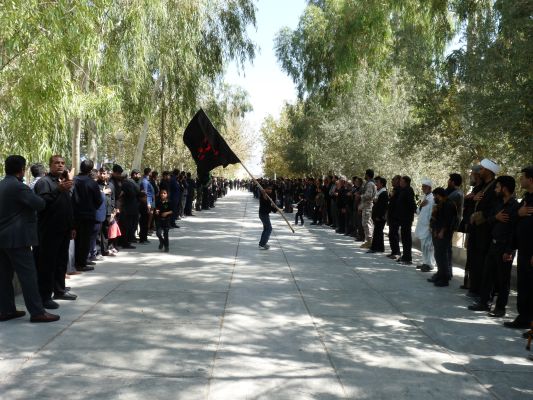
18 232
465 226
393 219
342 203
265 208
191 187
524 235
442 224
405 212
485 202
129 212
86 199
499 260
379 215
55 228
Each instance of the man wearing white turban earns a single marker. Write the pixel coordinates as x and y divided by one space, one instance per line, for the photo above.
485 202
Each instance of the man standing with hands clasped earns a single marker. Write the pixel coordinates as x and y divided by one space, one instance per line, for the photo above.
422 230
56 229
18 232
524 233
499 259
442 223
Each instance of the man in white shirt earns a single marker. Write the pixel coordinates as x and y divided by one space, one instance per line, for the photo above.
422 230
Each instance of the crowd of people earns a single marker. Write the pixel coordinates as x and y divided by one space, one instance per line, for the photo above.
59 225
496 225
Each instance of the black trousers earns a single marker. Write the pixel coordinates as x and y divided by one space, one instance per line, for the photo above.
52 263
480 247
143 226
19 260
317 215
450 258
378 241
394 238
496 275
341 221
103 239
524 285
128 225
162 227
206 200
407 240
188 205
441 257
328 211
84 230
470 239
299 214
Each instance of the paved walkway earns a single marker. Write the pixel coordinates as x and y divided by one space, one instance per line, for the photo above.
312 318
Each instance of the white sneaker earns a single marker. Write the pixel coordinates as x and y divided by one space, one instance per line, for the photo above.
265 247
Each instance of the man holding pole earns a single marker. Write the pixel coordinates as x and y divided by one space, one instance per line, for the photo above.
265 208
209 150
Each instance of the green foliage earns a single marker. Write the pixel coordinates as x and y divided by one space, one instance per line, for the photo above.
379 87
114 65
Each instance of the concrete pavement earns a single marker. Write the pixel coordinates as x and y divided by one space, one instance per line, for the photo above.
216 318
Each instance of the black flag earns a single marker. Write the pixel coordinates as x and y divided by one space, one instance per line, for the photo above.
207 146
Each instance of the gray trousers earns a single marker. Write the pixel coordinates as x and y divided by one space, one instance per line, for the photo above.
21 261
368 224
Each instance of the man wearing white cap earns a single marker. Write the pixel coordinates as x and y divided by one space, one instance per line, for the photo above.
485 202
490 165
422 230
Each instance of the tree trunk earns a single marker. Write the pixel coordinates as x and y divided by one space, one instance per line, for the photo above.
93 142
140 145
76 139
76 126
144 133
162 130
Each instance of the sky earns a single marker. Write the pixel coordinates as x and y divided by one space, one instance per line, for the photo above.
267 85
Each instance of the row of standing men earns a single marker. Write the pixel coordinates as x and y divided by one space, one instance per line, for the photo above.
496 225
39 221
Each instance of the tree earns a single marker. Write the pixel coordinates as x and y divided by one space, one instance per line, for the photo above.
80 71
351 58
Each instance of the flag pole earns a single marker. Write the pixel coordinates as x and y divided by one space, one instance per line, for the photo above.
268 197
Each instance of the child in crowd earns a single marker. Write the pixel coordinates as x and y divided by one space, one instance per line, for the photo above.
163 215
301 205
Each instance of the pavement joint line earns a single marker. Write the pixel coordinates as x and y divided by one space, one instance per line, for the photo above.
413 323
126 377
58 334
221 326
320 338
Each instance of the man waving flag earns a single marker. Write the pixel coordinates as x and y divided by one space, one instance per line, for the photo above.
209 150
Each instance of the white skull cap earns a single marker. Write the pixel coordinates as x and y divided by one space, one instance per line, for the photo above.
490 165
427 182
